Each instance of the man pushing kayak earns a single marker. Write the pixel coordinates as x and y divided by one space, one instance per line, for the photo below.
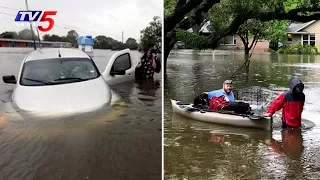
291 102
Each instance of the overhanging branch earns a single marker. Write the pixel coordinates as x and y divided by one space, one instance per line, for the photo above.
212 41
171 21
291 15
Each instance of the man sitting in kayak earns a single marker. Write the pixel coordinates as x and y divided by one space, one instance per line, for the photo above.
222 99
203 99
291 102
226 91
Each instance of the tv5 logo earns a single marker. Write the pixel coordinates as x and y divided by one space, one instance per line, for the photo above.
27 16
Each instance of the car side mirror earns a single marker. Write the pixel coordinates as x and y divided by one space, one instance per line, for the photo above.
11 79
123 72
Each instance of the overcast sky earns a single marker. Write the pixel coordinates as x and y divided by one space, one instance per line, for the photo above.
93 17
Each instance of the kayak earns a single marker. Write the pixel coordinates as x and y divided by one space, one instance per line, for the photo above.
222 117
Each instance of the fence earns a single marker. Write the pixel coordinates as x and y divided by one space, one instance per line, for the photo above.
257 97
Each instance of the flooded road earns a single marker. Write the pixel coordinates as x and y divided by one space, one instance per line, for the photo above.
118 142
196 150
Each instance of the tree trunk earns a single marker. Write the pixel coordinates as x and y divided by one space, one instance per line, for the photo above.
169 43
177 20
246 49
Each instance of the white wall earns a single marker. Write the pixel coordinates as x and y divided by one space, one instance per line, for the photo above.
88 48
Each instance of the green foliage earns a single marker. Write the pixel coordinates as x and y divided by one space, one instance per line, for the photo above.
254 27
25 34
227 12
103 42
132 44
54 38
10 35
277 30
293 4
72 36
152 35
298 49
169 7
192 40
100 42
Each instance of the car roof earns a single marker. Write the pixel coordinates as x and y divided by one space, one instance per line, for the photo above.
50 53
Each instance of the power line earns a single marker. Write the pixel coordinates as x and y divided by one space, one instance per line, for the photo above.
9 8
7 14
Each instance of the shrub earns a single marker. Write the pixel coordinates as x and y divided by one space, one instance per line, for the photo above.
298 49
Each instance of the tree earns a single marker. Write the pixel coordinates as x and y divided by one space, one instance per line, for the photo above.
152 35
26 34
103 42
72 36
181 19
54 38
252 29
277 32
132 44
9 35
178 16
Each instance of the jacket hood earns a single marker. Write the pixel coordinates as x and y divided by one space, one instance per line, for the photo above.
294 82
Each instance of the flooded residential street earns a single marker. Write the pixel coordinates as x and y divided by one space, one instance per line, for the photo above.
196 150
119 142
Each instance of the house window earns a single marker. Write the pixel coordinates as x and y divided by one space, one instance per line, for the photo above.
309 39
229 40
312 40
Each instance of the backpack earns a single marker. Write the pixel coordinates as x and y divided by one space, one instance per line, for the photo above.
238 107
217 103
201 100
138 71
158 65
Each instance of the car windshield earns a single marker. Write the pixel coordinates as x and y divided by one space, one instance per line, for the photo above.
58 71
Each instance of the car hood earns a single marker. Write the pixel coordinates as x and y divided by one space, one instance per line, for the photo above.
71 97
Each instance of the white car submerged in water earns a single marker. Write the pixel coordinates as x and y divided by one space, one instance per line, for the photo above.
67 80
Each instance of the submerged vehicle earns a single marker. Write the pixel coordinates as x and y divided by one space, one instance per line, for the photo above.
221 117
67 80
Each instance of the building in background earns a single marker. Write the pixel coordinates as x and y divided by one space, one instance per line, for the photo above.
85 43
304 33
29 43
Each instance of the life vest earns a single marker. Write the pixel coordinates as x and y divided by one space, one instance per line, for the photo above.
217 103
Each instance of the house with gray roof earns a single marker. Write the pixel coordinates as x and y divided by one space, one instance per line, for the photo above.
304 33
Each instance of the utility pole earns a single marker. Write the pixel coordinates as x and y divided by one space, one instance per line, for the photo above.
34 41
39 38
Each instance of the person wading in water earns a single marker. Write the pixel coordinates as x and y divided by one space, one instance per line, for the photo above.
147 66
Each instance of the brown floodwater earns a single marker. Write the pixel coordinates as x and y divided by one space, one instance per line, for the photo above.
197 150
118 142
